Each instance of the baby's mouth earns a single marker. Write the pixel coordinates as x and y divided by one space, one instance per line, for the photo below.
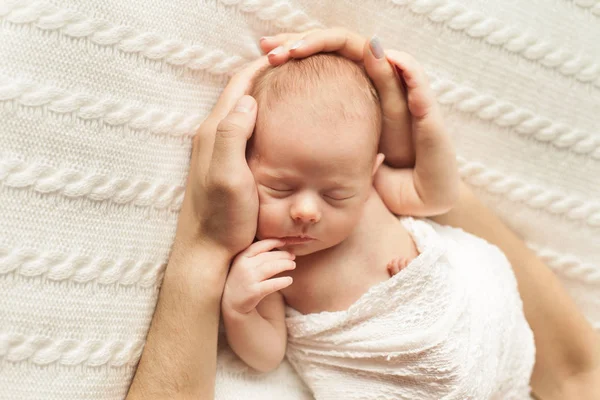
297 239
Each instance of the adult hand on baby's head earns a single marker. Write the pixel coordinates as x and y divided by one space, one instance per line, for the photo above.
396 140
419 153
220 207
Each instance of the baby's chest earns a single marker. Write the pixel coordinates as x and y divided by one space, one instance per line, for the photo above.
333 287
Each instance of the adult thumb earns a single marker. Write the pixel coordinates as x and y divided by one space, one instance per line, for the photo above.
233 132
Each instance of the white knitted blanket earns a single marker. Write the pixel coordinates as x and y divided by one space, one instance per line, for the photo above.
448 326
99 99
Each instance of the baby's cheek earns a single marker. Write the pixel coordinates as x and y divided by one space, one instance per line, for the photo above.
270 220
346 220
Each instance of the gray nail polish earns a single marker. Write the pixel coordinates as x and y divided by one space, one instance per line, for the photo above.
376 47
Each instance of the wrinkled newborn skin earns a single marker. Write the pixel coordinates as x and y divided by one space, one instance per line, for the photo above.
314 151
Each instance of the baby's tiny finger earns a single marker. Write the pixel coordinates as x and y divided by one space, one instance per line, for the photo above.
392 268
272 268
273 285
274 256
262 246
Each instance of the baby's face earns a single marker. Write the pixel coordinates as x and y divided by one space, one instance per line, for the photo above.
313 177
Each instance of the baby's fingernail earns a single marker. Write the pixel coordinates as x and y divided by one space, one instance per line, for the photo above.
296 44
266 38
276 50
376 47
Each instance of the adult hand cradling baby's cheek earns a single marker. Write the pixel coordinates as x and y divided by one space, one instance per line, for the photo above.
221 202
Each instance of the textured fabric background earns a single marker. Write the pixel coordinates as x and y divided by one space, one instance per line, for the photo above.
99 99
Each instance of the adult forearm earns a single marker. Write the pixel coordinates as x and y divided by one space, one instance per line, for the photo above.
566 345
179 359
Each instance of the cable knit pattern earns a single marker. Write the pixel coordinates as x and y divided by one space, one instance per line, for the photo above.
532 195
522 120
592 5
79 268
568 265
88 108
75 25
44 351
44 178
497 33
279 12
98 105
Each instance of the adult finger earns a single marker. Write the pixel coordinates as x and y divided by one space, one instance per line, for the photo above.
339 40
273 285
262 246
421 99
238 85
396 139
229 153
386 81
277 47
272 268
268 43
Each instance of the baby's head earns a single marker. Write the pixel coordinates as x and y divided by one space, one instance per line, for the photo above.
314 150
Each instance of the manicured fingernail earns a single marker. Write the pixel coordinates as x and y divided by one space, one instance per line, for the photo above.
296 44
376 48
244 105
276 50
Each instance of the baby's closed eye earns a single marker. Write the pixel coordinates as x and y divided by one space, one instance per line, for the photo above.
339 196
278 190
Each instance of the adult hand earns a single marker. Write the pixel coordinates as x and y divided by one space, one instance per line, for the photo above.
217 220
421 176
220 207
396 140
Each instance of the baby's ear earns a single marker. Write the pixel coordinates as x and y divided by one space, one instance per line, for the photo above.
378 161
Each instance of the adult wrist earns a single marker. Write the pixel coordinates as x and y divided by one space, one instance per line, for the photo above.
199 268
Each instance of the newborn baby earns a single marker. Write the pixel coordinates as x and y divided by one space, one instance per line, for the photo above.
447 324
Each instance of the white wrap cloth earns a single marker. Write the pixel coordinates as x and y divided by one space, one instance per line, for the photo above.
448 326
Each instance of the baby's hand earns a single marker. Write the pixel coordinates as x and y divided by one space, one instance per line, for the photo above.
397 265
251 276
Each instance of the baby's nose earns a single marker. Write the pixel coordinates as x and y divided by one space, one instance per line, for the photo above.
307 218
306 213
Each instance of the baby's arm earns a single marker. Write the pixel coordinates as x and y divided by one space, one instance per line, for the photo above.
253 309
259 337
431 187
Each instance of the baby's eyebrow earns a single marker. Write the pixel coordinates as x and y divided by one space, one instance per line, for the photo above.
340 188
340 185
277 175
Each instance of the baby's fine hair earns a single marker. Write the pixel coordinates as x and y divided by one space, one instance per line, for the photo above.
324 78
